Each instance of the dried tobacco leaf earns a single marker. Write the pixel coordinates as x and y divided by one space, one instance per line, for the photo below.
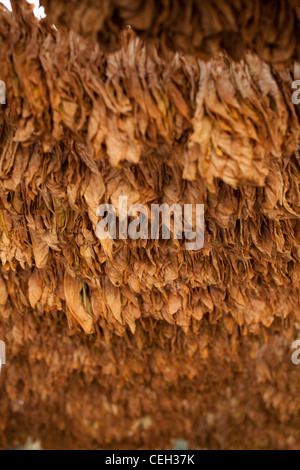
167 342
197 27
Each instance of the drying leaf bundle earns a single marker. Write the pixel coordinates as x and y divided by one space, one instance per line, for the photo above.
196 27
137 342
222 118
